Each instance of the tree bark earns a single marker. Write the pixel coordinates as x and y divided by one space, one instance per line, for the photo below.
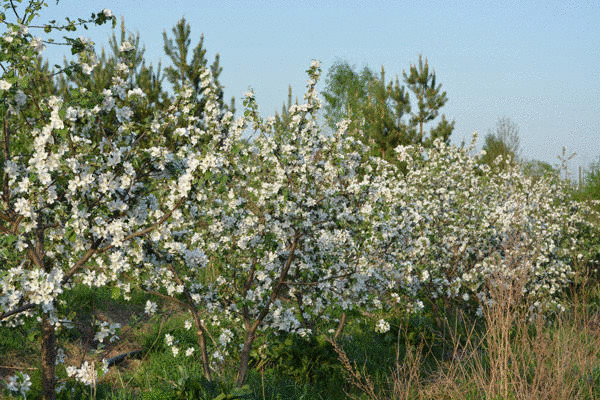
202 343
251 328
48 360
245 359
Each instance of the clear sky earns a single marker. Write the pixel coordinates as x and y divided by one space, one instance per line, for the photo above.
536 62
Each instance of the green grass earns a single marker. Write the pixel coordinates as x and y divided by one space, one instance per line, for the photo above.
294 368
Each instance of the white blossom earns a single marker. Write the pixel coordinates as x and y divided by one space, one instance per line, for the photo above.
382 326
126 46
5 85
169 339
150 308
20 383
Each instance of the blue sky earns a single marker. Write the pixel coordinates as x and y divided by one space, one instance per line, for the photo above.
536 62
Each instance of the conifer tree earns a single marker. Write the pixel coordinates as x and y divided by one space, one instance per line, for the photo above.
283 119
375 107
186 68
429 98
386 104
381 110
42 76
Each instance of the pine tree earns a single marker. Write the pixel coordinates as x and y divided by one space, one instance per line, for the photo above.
429 98
380 110
386 104
189 69
42 76
283 118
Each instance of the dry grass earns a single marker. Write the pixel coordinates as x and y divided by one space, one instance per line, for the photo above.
512 359
515 357
522 359
354 376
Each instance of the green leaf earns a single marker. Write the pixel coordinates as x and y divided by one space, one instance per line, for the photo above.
32 336
115 293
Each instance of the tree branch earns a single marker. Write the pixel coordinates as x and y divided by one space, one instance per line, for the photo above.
148 229
17 310
88 254
5 188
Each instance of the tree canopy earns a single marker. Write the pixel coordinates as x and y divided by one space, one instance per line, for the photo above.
503 141
386 114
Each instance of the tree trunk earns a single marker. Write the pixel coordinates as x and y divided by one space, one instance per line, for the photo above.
204 353
202 343
245 359
251 328
48 360
200 327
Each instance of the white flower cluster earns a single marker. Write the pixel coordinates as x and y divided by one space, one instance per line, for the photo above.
382 326
225 337
86 373
107 330
5 85
20 383
171 342
150 307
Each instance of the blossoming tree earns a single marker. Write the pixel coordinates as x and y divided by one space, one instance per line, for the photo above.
278 231
286 238
474 225
84 184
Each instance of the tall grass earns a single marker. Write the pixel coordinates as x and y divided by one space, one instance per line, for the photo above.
516 356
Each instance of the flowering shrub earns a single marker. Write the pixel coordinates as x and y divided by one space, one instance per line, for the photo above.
86 183
304 225
277 232
283 240
473 224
